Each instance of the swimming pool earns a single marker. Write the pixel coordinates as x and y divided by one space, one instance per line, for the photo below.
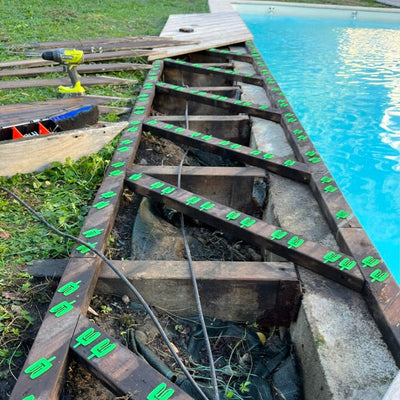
342 77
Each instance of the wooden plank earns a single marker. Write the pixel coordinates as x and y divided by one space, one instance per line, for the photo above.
199 68
82 69
123 372
210 30
43 150
231 104
232 186
279 165
271 289
336 266
55 82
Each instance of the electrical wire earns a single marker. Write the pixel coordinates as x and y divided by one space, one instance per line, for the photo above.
130 286
193 278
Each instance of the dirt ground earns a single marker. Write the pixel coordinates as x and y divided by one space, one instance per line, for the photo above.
121 318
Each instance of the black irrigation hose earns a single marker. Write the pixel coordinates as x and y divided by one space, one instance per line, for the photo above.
123 278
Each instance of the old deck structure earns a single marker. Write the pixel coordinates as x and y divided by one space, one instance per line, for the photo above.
203 80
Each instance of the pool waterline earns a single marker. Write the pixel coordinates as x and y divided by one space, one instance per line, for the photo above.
368 173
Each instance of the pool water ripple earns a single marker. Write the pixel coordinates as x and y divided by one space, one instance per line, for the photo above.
343 80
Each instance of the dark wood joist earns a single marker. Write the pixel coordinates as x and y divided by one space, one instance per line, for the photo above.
123 372
282 166
230 55
336 266
231 104
199 68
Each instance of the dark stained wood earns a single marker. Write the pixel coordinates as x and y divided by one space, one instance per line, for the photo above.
118 368
232 186
252 230
282 166
198 68
233 105
229 55
272 288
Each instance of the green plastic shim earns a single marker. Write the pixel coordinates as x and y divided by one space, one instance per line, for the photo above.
247 222
268 156
289 163
301 137
255 152
135 177
297 131
310 153
168 190
224 143
195 134
160 392
123 149
116 172
102 349
168 126
233 215
69 288
315 160
341 214
39 367
263 107
87 337
236 146
118 164
108 195
347 264
179 129
370 262
157 185
101 204
378 276
238 102
206 137
326 179
332 257
222 98
152 122
134 122
278 234
207 206
295 242
193 200
31 397
62 308
92 233
85 249
330 189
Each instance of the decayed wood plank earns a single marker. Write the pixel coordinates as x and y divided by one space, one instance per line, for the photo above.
83 69
282 166
55 82
210 30
118 368
263 285
37 153
114 110
336 266
232 186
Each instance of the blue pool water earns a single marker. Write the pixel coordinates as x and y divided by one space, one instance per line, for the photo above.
342 77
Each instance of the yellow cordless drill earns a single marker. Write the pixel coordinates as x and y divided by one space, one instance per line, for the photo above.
70 59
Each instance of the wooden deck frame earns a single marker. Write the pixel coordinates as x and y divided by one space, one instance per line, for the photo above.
360 269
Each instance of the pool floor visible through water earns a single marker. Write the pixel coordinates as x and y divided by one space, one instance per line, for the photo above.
342 78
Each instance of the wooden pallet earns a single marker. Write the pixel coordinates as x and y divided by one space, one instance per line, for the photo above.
66 330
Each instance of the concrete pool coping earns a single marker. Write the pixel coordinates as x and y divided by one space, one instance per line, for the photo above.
316 10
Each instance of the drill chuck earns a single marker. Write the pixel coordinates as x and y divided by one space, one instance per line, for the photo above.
64 56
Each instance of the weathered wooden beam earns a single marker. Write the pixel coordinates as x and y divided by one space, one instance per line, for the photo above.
55 82
270 290
199 68
232 186
123 372
230 55
231 104
82 69
336 266
282 166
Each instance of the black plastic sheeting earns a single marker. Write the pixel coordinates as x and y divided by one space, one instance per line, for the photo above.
246 368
